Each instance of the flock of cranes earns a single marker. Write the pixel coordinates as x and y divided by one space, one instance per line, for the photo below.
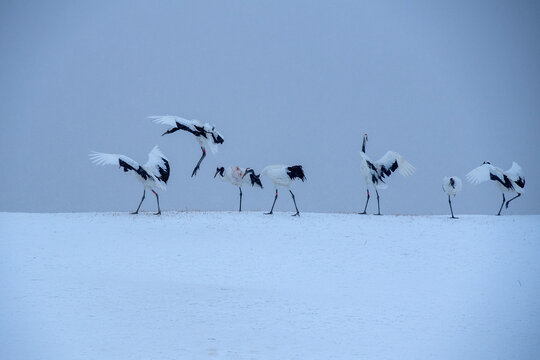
155 173
511 180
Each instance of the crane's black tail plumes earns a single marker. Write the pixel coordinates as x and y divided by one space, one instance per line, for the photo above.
255 179
296 172
165 171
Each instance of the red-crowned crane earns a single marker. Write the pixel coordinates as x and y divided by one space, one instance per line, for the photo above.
451 186
153 175
283 175
235 176
511 180
375 171
206 134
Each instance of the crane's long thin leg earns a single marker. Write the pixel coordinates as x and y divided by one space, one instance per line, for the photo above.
240 199
137 211
157 197
272 209
199 163
378 205
296 207
365 207
501 205
452 211
515 197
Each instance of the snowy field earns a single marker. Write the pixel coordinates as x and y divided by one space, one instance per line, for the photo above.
226 285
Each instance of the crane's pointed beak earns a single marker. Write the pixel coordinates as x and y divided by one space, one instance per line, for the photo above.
245 173
216 173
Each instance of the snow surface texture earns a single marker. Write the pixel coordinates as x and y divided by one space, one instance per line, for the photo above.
248 286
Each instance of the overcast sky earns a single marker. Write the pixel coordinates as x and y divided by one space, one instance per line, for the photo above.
446 84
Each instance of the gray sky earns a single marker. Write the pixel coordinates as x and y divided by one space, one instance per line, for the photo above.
446 84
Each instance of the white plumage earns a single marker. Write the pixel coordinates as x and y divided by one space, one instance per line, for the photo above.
511 180
283 175
374 172
451 185
232 174
235 175
278 175
154 174
206 134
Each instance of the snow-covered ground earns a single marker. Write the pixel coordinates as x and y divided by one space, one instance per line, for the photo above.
248 286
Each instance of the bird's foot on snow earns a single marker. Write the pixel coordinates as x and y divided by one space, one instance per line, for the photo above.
453 217
297 214
134 213
158 213
379 214
269 213
362 213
